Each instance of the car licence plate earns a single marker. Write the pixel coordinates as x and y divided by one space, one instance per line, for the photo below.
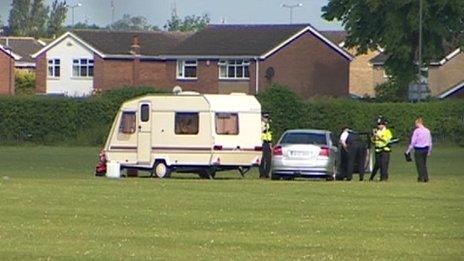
299 154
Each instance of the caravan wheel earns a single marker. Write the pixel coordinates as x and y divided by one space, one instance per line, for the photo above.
161 170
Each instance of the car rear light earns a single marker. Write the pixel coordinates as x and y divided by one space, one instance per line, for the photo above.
277 151
217 147
324 152
258 148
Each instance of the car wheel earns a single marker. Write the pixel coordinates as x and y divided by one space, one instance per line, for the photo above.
162 170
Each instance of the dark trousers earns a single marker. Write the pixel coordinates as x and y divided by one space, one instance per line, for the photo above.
265 166
355 157
420 157
381 162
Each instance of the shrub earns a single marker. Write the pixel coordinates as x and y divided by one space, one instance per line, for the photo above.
118 96
24 83
286 109
44 120
444 118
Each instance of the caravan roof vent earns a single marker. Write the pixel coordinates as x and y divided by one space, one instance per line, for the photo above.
189 93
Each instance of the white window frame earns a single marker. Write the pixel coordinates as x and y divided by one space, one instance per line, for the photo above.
89 64
182 64
54 64
233 63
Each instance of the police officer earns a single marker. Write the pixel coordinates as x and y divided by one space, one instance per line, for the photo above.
266 137
381 139
353 154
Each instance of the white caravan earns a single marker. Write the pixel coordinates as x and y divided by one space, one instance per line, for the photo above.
188 132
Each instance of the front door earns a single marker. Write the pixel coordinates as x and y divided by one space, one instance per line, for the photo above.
144 120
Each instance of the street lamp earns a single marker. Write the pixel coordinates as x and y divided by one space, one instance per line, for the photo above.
291 7
72 12
418 90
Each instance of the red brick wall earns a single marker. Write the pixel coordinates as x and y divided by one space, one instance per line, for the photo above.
309 67
153 73
207 74
6 74
41 73
111 74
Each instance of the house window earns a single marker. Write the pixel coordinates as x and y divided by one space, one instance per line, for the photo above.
54 67
82 68
187 69
186 123
234 69
127 125
227 123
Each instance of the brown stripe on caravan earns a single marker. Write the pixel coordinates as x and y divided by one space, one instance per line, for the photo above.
123 147
182 148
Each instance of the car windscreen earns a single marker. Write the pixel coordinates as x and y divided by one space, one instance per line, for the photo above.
304 138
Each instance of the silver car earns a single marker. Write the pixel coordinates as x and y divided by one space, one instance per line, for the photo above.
304 153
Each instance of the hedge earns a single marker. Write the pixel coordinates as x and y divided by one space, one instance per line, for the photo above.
445 119
44 120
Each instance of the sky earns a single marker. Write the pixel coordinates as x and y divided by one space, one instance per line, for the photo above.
158 11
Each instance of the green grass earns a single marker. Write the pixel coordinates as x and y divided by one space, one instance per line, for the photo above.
52 207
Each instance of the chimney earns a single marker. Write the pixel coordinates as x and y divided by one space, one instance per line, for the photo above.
135 47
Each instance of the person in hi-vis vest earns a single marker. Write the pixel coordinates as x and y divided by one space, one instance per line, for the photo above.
266 137
381 138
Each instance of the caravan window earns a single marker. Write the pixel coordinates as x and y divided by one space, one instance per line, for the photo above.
127 125
144 112
227 123
186 123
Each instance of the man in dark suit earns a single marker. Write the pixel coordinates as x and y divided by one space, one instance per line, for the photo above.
353 154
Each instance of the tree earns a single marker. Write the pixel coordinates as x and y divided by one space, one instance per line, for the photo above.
128 22
85 26
37 19
190 23
57 17
394 26
19 17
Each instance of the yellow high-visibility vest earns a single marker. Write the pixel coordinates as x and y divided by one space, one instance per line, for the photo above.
382 142
266 136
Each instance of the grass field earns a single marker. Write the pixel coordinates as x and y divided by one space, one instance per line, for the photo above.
51 207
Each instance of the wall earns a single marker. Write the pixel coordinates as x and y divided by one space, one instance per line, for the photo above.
442 78
363 77
6 74
41 73
111 74
309 67
207 77
67 50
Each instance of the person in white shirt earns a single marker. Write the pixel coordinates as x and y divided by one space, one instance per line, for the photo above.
352 153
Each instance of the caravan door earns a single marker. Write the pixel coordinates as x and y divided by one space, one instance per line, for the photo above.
144 133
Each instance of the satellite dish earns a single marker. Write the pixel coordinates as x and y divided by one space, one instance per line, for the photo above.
176 90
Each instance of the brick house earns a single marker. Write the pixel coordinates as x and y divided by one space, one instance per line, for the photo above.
7 60
445 77
83 61
363 75
23 47
15 55
218 59
249 58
